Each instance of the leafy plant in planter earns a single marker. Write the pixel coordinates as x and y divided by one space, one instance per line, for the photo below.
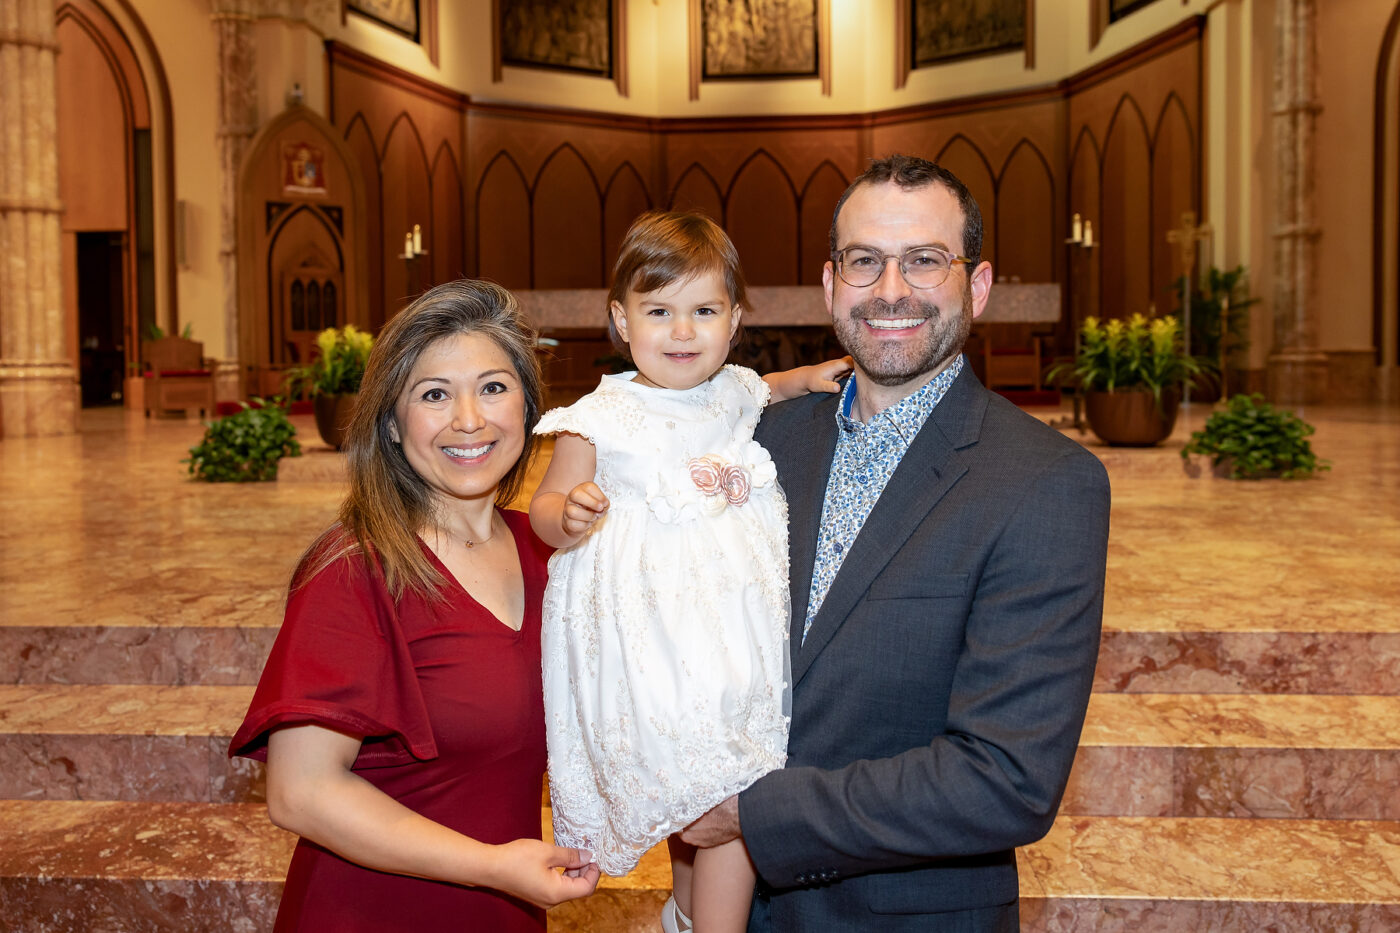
332 379
1251 439
246 446
1136 354
338 366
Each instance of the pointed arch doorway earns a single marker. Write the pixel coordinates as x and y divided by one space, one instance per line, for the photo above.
116 185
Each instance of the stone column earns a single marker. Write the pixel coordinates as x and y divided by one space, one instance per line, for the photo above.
238 121
1297 368
38 381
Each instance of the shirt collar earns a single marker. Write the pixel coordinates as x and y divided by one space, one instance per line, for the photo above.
908 415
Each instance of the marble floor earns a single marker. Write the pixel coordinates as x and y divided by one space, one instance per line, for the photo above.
1238 770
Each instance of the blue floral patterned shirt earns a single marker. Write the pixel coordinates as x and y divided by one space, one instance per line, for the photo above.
865 459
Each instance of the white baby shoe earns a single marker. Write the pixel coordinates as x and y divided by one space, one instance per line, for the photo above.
672 920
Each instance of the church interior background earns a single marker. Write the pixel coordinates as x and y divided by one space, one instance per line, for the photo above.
204 167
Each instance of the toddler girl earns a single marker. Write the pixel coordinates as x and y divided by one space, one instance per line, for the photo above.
666 615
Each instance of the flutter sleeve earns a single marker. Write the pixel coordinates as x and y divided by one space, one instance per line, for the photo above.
341 661
580 418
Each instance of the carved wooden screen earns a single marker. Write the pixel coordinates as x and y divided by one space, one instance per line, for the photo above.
312 300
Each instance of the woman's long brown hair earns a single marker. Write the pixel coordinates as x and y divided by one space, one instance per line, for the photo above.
388 502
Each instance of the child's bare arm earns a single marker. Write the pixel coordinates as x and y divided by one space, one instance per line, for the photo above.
568 501
820 377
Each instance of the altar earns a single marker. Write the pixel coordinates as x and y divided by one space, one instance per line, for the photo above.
785 326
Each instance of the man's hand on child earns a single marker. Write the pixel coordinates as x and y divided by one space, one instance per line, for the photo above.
584 505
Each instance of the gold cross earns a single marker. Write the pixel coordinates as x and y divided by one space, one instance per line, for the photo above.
1185 237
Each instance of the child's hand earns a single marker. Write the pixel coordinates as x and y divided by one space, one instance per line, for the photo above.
822 377
584 505
804 379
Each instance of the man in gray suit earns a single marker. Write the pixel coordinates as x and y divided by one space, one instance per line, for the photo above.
947 590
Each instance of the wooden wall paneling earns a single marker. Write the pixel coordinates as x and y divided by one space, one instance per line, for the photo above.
360 142
447 253
501 222
696 190
965 160
406 200
624 199
761 219
818 198
566 223
1173 193
1026 220
1125 236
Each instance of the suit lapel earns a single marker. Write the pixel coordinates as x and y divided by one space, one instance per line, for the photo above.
929 468
805 469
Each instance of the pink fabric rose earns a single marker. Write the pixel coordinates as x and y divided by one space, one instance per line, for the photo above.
705 473
736 482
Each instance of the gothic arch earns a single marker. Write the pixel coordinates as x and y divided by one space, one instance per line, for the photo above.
118 36
265 205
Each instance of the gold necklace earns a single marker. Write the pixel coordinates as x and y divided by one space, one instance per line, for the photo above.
489 535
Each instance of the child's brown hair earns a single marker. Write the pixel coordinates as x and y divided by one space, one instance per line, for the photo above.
662 247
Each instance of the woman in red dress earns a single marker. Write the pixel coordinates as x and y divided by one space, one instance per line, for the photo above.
400 711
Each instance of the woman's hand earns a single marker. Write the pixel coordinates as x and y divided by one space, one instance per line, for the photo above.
529 869
583 506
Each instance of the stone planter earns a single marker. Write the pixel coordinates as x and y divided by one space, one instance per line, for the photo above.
333 417
1131 418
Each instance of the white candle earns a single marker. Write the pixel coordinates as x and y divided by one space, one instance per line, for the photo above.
407 244
1088 233
1077 229
417 239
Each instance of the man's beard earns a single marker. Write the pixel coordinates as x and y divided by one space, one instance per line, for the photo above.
891 365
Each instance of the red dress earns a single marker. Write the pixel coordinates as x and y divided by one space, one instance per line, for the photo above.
448 700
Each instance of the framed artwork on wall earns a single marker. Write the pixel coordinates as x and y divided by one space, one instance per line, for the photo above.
583 36
398 15
1103 13
1117 9
414 19
933 32
746 40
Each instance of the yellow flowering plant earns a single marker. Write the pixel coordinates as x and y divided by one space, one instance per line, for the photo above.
339 366
1139 354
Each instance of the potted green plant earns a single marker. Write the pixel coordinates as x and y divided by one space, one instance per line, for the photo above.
1131 373
332 378
246 446
1251 439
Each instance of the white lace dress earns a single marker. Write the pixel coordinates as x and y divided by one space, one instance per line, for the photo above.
665 629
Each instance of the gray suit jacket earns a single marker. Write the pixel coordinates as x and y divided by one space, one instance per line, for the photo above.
938 699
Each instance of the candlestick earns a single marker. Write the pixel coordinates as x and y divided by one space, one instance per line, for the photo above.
1077 229
1088 233
417 239
408 245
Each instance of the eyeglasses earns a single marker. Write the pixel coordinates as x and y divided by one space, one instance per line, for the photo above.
922 266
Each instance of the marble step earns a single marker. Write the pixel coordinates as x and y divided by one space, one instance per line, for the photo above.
1222 660
1225 755
1281 756
80 865
1130 661
124 742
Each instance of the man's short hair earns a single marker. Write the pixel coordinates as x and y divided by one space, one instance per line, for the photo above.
912 173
